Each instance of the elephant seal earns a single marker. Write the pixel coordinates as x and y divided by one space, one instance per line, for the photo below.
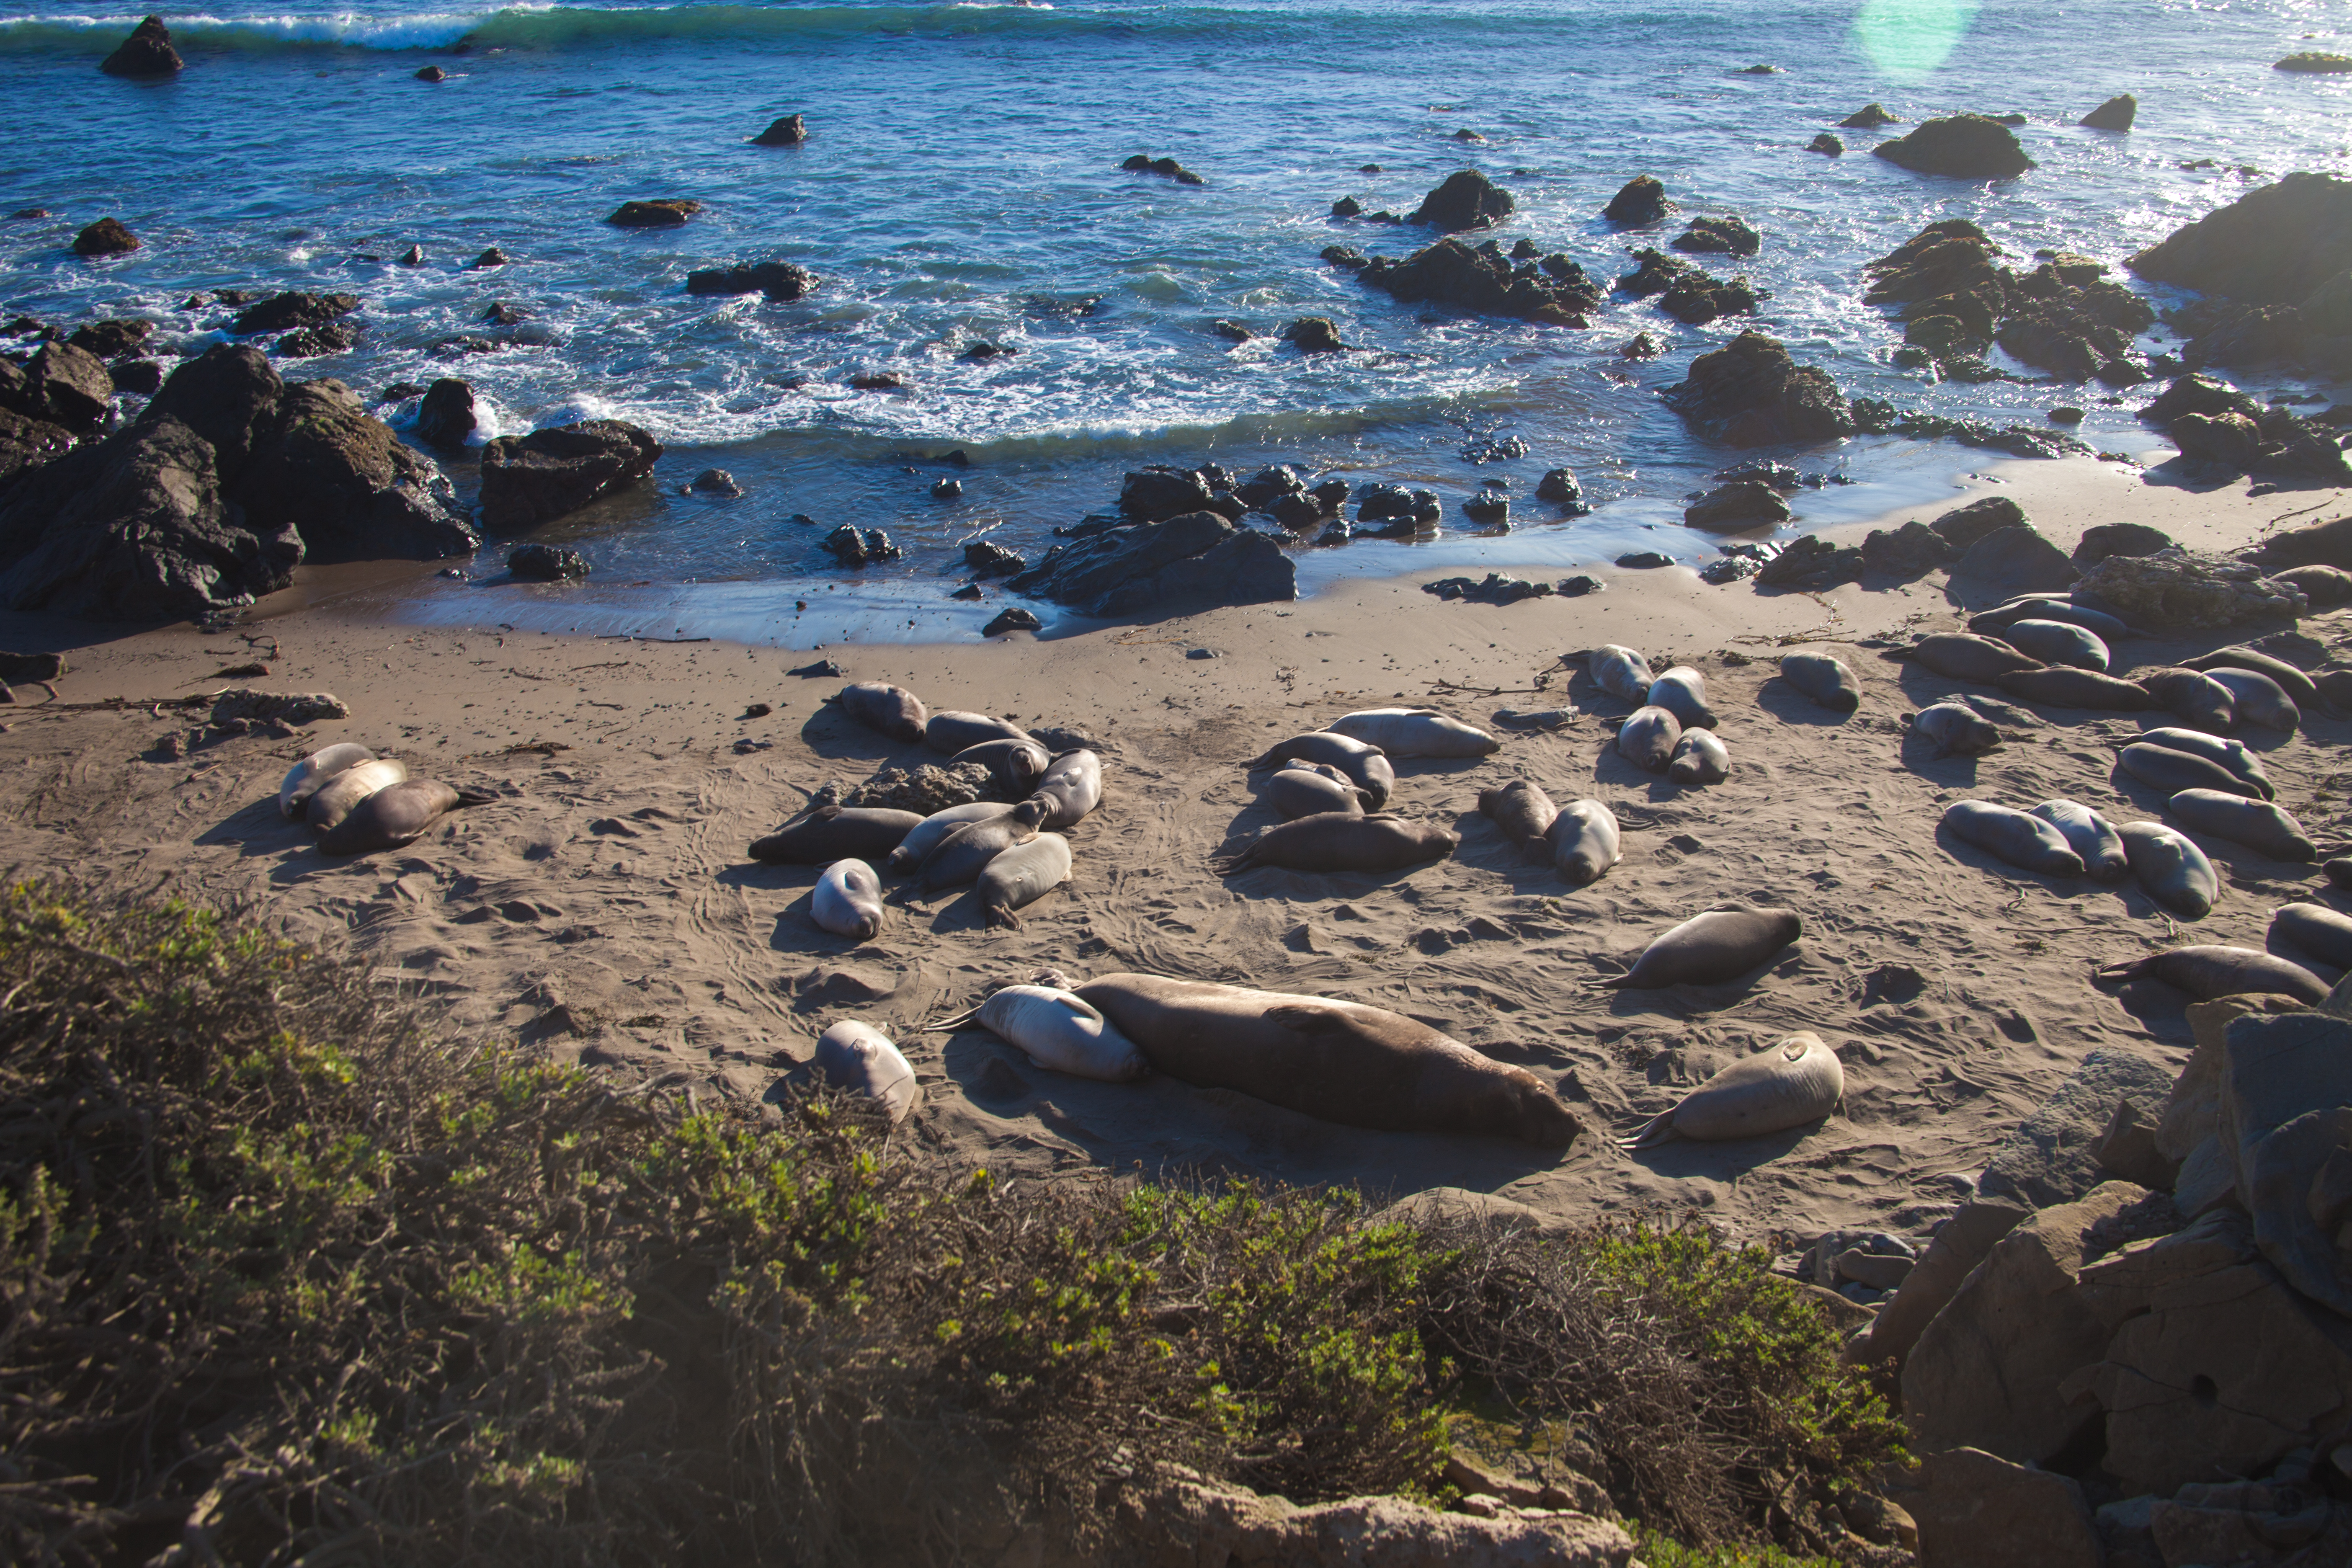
2207 973
1021 876
2196 699
955 731
2169 864
1954 728
1824 679
1709 949
1415 732
1072 785
1647 738
2286 677
1014 766
2106 628
1682 692
309 776
2090 835
1525 815
342 795
1584 841
1300 788
1621 672
2231 755
964 854
1055 1029
2325 586
924 834
2172 770
831 833
2259 700
2058 642
2063 686
2317 929
1699 759
1368 765
2258 825
395 815
848 900
1793 1080
1338 1061
1342 841
861 1059
878 705
1964 656
2027 842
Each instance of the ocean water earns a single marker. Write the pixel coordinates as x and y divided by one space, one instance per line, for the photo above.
961 183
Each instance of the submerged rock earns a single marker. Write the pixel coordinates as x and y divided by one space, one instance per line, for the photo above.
789 131
1718 236
2116 114
1962 146
1466 199
1640 200
1826 143
1554 290
668 212
546 563
107 236
446 418
1166 168
776 279
293 309
529 479
1869 117
1751 393
853 547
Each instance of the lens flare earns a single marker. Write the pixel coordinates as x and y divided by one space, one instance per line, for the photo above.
1909 40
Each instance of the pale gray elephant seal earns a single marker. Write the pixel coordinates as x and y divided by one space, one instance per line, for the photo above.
2175 872
1055 1029
2064 686
1368 765
831 833
1648 737
2091 836
954 731
1584 841
2294 682
2196 699
2208 973
1709 949
1953 729
2259 825
964 854
1344 841
2172 770
1964 656
1621 672
1700 758
926 833
2317 929
310 775
2106 628
2258 698
1338 1061
1015 767
1301 788
2058 642
2230 754
1020 876
395 815
848 900
340 795
2028 842
1682 692
1072 786
1525 815
878 705
1415 732
1793 1080
861 1059
1824 679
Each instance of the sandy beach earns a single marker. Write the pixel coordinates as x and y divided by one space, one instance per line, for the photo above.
604 906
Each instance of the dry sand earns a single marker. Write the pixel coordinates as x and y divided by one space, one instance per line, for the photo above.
604 908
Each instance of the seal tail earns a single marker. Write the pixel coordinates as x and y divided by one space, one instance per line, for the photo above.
1241 862
949 1025
1659 1128
475 797
2130 969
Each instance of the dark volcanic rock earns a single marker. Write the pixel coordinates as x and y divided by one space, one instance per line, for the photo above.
1496 589
1717 237
107 236
1012 619
1554 290
26 443
1558 486
851 547
446 416
1346 256
1956 299
111 338
493 257
1166 168
147 52
431 73
2117 539
1347 206
281 312
61 385
527 480
789 132
2314 62
1869 117
1697 298
1827 144
2116 114
1488 508
1189 561
143 376
348 486
2195 394
1397 505
1962 526
1315 335
1811 562
1908 551
1963 146
312 342
983 559
1466 199
2284 244
665 213
1640 200
776 279
1159 491
1744 503
2016 560
1657 273
546 563
1749 392
2228 442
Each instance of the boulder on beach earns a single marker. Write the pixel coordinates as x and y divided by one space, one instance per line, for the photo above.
1188 561
1749 392
790 130
1964 525
2106 539
1743 503
1554 290
2014 560
668 212
2116 114
1810 564
776 279
147 52
1961 146
1911 551
528 480
107 236
1465 199
1640 200
2181 590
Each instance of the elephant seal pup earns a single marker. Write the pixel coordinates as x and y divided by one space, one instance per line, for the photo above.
1824 679
1338 1061
1709 949
1415 732
1699 759
2286 677
831 833
1954 728
309 776
860 1059
2058 642
2090 835
955 731
2172 770
1014 766
1647 738
2024 841
1584 841
1793 1080
1682 692
848 900
2175 872
1525 815
2232 755
2259 700
878 705
2197 701
964 854
1055 1029
1368 765
1020 877
2063 686
342 795
927 832
1964 656
394 815
2258 825
2106 628
1311 789
2207 973
1621 672
1072 785
2314 929
1341 841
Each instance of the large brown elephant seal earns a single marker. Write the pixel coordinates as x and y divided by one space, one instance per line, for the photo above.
2064 686
2091 836
1705 950
1525 815
1015 767
1345 841
1953 729
2209 972
831 833
342 795
395 815
1584 841
2195 699
1682 692
2296 684
2259 825
1415 732
2317 929
1301 788
2028 842
1338 1061
2258 700
861 1059
1964 656
953 732
2169 864
2231 755
1367 764
2172 770
2058 643
1020 876
1700 757
925 834
878 705
1072 785
309 776
1793 1080
963 855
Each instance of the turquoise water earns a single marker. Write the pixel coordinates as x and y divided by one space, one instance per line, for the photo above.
961 183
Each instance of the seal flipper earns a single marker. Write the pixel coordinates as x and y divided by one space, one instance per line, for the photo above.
949 1025
476 797
2127 969
1659 1128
